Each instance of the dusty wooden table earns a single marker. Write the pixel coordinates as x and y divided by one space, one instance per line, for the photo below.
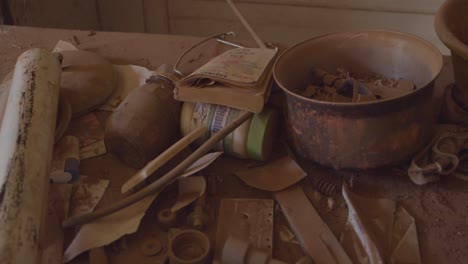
440 209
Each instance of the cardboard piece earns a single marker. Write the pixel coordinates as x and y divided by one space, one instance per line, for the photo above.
274 176
378 231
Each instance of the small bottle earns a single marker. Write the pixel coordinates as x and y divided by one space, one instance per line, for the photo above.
252 140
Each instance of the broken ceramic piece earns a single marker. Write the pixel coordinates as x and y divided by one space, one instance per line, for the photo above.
190 189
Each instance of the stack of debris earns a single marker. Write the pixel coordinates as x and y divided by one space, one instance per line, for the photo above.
348 87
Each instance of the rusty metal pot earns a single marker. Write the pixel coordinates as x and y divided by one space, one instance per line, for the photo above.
450 25
360 135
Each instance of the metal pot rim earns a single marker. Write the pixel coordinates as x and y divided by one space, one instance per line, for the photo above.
361 104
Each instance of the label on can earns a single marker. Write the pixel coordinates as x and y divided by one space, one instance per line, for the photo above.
215 118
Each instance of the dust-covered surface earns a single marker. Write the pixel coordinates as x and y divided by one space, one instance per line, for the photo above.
440 209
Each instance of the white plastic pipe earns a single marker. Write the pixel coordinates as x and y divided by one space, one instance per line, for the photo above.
26 144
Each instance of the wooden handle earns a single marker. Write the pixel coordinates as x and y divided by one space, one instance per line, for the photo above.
163 181
162 159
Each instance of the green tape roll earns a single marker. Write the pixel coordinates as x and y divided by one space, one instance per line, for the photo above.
261 134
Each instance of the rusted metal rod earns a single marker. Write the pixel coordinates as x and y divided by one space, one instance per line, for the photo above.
162 182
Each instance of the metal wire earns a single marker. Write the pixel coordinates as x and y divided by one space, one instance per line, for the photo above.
220 38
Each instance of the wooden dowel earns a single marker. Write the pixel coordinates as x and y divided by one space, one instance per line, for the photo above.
162 159
246 24
163 181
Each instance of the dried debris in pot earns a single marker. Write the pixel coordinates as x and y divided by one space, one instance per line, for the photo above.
347 87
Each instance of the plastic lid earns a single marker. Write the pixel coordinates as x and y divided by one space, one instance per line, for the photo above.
261 134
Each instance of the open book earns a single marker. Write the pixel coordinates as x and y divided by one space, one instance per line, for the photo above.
239 78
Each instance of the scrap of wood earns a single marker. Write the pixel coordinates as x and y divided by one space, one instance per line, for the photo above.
314 236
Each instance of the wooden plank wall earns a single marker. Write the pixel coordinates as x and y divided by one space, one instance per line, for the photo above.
284 21
74 14
290 21
108 15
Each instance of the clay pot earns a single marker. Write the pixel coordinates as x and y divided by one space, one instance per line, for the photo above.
366 134
451 27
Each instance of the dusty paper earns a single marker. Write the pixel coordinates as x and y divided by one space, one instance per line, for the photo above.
125 221
242 65
109 228
86 195
87 129
93 150
377 231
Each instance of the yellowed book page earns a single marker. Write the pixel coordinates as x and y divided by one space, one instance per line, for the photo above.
243 65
